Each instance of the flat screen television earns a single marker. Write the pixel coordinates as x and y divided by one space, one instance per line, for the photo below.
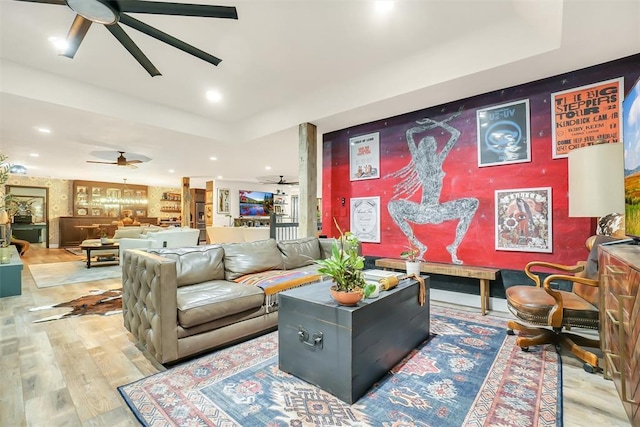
631 146
255 203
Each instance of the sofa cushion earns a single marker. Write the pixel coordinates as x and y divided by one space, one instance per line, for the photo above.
300 252
128 232
215 299
195 265
251 257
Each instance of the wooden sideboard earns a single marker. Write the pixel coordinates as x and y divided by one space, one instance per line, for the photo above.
619 267
72 231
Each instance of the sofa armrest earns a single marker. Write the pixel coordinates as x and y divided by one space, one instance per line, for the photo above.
149 302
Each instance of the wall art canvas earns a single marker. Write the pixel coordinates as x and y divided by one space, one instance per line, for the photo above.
523 220
364 157
580 116
365 218
223 201
504 134
631 137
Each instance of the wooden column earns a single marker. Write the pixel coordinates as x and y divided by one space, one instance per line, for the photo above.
185 196
308 172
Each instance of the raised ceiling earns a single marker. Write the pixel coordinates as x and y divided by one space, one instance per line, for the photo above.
331 63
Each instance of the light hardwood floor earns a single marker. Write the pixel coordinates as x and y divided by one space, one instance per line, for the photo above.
65 372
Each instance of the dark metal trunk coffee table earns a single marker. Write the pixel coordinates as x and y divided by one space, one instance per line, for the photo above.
345 350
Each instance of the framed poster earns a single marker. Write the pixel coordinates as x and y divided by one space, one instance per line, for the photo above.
504 134
365 218
582 115
364 157
223 201
523 220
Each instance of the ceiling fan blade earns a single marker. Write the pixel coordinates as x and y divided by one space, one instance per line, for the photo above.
76 34
104 163
60 2
164 37
131 166
133 49
133 161
207 11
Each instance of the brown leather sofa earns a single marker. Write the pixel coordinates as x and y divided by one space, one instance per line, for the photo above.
183 301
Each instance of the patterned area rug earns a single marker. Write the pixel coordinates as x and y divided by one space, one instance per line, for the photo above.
470 373
65 273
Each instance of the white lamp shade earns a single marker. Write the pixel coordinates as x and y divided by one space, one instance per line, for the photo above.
596 180
4 217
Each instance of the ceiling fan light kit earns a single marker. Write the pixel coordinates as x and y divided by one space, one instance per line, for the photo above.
112 12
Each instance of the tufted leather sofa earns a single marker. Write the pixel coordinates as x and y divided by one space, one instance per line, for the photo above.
178 302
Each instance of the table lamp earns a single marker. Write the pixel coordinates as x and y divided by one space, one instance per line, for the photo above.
596 180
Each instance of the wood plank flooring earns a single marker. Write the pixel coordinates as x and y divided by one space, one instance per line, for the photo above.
65 372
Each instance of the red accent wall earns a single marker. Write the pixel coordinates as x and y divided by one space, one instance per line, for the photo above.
465 179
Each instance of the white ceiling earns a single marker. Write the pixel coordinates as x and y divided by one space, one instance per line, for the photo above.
331 63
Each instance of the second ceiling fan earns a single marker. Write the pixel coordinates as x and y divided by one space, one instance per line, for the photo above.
111 12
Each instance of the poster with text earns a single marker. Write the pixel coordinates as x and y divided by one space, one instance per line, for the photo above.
523 220
365 218
503 134
364 157
583 115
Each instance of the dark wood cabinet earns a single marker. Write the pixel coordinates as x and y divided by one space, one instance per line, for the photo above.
619 268
73 230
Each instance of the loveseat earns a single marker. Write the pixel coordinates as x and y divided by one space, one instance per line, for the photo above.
184 301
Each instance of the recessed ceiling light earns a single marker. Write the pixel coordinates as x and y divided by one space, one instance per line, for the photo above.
171 171
214 96
383 6
44 130
219 176
268 168
34 155
213 158
60 44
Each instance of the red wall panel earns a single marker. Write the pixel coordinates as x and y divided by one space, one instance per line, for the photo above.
464 179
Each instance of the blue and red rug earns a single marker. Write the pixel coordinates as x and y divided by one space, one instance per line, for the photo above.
470 373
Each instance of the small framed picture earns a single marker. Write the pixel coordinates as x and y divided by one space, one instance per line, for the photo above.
523 220
503 134
365 218
223 201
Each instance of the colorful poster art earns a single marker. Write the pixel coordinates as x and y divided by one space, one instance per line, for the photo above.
503 134
364 157
365 218
523 220
583 115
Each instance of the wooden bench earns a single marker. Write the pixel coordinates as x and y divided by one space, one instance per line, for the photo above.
485 274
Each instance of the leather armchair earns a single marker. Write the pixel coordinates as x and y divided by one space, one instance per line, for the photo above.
558 310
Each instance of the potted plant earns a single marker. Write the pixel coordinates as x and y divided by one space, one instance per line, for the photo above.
5 202
412 261
344 267
103 237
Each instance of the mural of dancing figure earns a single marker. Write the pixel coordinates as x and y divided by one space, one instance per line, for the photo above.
425 171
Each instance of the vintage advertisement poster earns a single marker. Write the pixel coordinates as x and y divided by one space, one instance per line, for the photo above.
365 218
583 115
503 134
364 157
523 220
223 201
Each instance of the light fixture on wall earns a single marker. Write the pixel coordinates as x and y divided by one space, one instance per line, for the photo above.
596 180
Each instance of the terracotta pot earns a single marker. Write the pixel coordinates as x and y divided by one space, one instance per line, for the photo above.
346 298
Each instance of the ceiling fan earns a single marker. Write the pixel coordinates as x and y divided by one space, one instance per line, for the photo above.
274 180
111 12
120 161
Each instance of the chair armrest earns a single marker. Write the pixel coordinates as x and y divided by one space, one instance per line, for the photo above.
551 266
556 313
149 302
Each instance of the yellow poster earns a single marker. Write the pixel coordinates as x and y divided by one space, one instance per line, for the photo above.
583 115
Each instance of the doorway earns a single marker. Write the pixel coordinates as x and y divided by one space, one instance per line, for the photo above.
30 213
